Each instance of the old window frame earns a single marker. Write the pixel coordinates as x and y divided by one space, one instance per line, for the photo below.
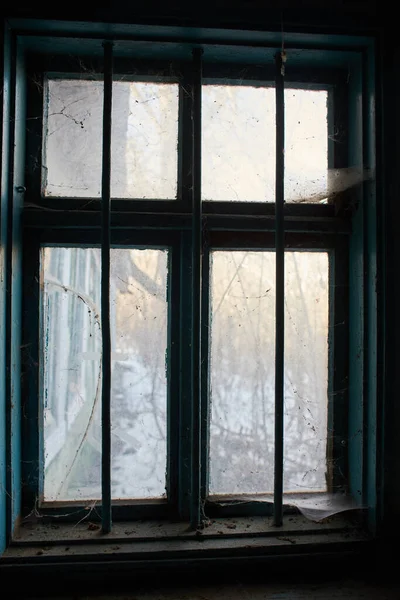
29 216
179 480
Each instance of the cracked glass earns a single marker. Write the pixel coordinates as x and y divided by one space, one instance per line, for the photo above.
144 159
72 153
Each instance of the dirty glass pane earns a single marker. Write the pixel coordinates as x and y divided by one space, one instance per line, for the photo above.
306 371
238 143
242 371
238 136
139 386
306 145
144 140
71 380
72 153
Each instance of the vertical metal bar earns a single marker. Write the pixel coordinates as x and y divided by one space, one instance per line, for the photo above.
280 288
179 491
205 363
195 515
105 292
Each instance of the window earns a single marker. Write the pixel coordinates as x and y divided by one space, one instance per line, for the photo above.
149 308
195 312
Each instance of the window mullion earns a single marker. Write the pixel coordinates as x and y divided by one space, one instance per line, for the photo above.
180 385
105 291
280 289
337 447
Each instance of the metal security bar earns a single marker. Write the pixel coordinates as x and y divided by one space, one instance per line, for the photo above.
196 291
105 291
280 287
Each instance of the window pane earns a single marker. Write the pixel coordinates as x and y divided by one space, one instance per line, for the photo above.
238 139
71 383
73 138
306 145
242 371
144 140
139 385
306 371
71 388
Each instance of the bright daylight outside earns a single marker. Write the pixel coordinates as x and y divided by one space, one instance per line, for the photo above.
238 165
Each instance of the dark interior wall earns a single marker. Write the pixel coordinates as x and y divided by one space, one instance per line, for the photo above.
259 13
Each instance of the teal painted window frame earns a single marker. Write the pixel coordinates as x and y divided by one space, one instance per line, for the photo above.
356 244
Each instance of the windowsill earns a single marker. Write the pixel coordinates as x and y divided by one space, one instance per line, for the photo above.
252 536
161 553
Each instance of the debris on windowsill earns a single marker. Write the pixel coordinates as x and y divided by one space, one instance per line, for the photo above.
314 506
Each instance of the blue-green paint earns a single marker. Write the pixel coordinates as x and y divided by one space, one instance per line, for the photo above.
200 34
235 52
364 402
372 252
14 285
32 436
175 42
356 297
4 132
